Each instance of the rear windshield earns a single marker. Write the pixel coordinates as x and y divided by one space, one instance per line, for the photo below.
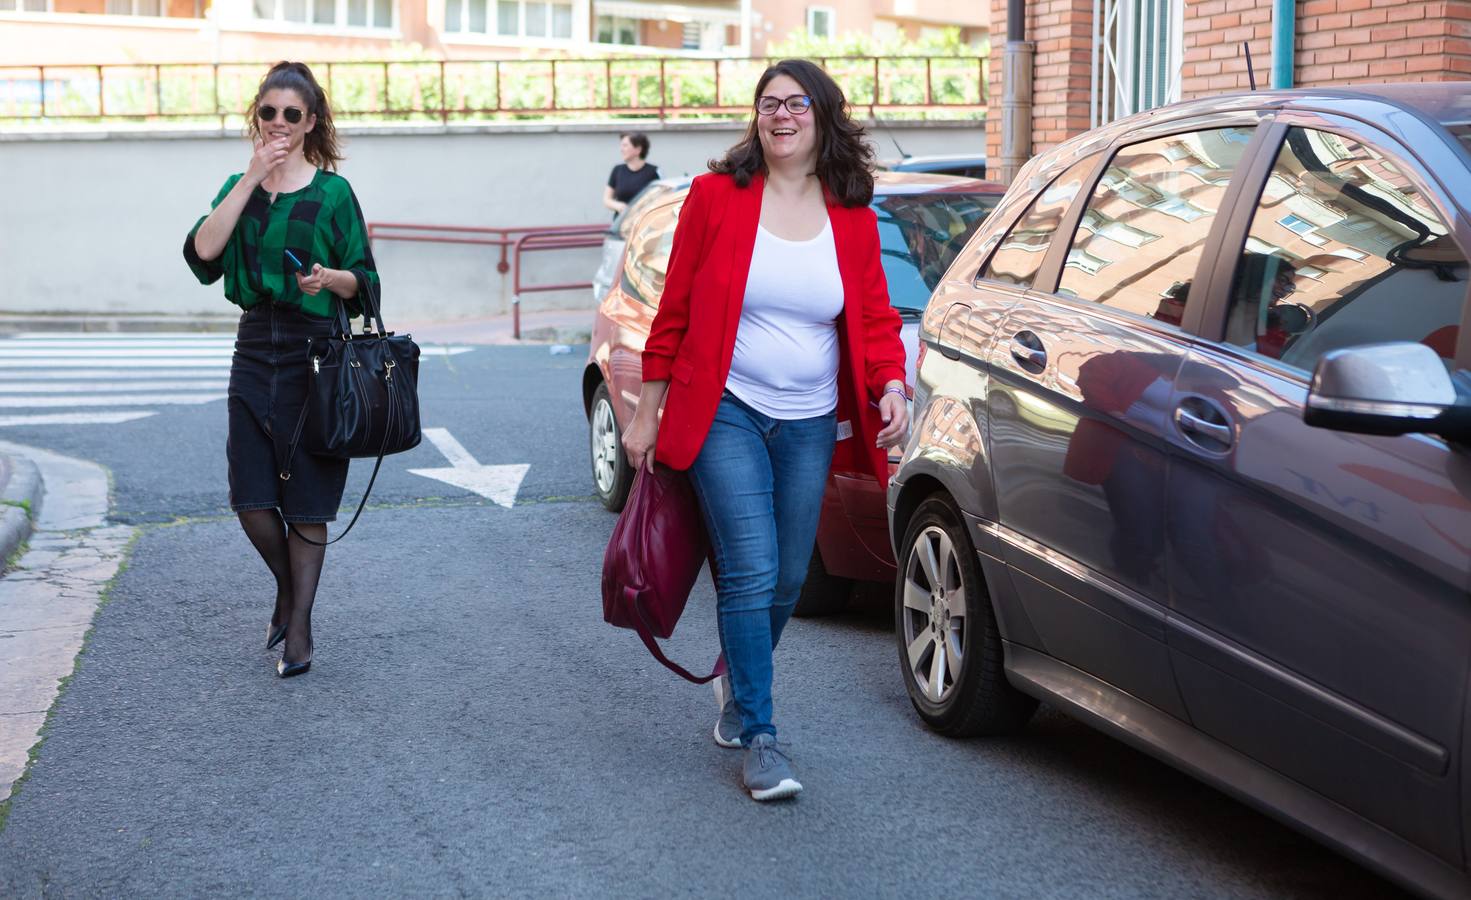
920 235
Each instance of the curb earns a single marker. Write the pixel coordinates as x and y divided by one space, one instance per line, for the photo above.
24 486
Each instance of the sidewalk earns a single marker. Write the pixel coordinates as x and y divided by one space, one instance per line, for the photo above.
20 503
553 326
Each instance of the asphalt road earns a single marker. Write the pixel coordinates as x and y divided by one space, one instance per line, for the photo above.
471 727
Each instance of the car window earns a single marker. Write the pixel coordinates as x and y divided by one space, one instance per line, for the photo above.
919 237
647 261
1143 232
623 222
1344 249
1019 256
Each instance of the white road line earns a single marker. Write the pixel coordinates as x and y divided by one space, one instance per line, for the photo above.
100 386
140 374
83 362
96 418
47 344
12 351
104 401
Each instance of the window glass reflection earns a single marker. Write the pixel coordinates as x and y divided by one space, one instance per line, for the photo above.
1019 257
919 237
648 254
1344 249
1141 237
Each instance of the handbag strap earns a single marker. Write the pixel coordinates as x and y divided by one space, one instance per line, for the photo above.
646 634
377 464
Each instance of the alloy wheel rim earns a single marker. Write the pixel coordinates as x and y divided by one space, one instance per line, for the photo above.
934 614
604 446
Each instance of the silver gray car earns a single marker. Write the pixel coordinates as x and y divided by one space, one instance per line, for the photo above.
1191 461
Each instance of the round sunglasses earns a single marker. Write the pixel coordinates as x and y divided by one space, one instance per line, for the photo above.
291 113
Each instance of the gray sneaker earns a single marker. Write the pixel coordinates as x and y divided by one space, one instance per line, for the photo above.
768 772
728 726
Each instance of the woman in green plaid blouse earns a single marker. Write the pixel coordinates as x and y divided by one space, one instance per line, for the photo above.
288 203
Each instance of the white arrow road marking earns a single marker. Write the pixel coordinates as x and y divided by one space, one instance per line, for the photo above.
499 484
102 400
106 418
441 350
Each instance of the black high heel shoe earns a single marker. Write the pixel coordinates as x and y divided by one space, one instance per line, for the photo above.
276 635
285 669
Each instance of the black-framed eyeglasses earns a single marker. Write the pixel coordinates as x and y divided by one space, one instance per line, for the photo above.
796 104
291 113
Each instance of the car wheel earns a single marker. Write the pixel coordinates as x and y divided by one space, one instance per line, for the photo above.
611 474
823 594
949 645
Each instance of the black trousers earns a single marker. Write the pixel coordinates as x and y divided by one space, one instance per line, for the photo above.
268 381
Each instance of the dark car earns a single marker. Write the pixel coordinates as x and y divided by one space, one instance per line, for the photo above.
923 220
968 165
1191 461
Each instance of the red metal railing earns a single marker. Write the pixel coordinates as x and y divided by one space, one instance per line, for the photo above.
467 89
513 242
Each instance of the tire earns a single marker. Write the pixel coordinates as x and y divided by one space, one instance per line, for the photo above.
823 594
975 697
611 474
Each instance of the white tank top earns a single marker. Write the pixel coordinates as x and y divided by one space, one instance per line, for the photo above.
786 351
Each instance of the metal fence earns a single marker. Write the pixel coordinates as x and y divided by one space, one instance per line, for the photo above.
506 90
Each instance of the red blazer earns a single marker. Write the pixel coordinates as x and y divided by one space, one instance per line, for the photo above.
693 336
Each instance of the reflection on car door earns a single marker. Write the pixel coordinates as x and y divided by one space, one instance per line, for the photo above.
641 283
1081 386
1320 580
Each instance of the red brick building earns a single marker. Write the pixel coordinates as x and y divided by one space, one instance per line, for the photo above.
1097 60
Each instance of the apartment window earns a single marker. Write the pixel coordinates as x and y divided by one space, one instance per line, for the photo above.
617 30
121 7
690 36
820 21
25 6
509 18
354 13
1143 52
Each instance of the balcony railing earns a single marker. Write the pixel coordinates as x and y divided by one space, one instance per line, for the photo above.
489 90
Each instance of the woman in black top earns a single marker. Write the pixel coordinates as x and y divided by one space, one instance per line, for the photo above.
632 175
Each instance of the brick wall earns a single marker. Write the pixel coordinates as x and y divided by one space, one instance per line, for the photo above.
1062 31
1338 42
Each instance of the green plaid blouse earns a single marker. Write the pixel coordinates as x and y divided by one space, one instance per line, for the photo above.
321 223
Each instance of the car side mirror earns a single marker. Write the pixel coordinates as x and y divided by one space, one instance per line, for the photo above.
1399 388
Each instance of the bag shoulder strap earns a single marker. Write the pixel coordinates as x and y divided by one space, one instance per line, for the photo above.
646 634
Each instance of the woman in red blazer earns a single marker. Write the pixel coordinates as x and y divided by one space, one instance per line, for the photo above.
775 349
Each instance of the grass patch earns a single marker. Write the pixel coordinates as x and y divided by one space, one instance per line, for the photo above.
104 598
20 504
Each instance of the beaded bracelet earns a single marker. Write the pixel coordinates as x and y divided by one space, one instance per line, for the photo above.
900 391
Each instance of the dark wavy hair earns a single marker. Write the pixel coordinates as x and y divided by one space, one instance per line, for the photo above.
844 158
320 146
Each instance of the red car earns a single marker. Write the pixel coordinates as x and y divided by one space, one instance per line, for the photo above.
924 220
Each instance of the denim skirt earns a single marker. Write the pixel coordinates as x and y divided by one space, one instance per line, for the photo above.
268 383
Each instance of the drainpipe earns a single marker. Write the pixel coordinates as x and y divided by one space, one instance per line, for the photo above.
1284 36
1016 93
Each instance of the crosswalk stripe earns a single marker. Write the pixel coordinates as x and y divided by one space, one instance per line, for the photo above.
139 374
100 400
67 387
51 344
86 362
94 418
13 352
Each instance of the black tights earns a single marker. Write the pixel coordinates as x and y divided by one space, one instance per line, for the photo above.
297 566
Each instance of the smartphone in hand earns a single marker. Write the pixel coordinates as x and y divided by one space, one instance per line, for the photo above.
295 265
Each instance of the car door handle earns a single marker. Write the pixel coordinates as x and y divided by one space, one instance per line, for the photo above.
1027 349
1198 419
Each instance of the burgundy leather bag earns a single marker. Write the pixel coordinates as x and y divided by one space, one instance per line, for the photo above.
653 559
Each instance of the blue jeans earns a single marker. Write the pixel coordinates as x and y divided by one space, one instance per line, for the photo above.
760 483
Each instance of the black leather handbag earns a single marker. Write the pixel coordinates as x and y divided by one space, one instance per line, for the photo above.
362 395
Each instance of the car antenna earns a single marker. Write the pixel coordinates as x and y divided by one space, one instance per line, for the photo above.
1250 72
880 123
